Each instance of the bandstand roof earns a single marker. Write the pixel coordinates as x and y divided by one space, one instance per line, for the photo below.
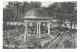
37 13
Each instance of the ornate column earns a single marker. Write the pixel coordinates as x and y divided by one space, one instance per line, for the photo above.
25 30
49 27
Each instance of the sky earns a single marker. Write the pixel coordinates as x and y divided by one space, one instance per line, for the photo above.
43 4
4 4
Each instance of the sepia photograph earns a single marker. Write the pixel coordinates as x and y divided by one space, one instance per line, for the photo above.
39 25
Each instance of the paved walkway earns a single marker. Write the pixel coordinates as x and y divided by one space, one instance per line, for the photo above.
46 40
48 44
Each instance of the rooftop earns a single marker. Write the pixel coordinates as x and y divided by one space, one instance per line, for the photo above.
37 13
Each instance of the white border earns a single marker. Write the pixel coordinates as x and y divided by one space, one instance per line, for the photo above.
40 50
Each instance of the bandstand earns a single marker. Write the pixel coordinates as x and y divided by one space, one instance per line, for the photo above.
37 21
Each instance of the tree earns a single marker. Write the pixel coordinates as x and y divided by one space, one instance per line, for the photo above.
36 4
63 11
8 15
69 10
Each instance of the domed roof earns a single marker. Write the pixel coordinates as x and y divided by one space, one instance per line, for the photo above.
37 13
